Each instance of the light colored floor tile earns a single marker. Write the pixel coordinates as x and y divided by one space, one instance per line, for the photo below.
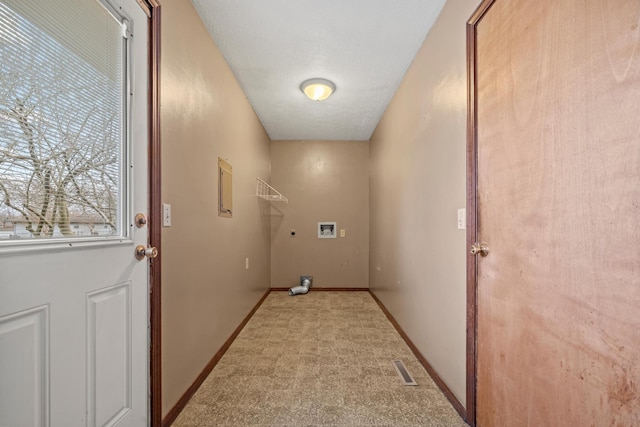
320 359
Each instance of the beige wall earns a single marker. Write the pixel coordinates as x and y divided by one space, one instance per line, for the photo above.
324 181
206 290
417 261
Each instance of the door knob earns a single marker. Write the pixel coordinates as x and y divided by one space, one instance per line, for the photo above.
142 252
480 248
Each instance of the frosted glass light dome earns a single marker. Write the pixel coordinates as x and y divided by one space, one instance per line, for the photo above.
318 89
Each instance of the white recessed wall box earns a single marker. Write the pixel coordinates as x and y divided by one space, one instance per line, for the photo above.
327 230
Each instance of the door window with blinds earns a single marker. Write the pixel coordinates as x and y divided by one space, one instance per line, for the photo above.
63 120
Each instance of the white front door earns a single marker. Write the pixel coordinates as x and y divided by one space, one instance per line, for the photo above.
73 174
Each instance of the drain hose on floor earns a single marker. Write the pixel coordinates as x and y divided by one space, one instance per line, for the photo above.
302 289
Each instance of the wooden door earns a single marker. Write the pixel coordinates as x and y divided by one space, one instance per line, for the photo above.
74 304
557 107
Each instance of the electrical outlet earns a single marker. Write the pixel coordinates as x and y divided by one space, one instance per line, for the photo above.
246 263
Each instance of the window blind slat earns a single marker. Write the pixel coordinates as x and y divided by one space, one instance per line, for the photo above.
61 119
81 26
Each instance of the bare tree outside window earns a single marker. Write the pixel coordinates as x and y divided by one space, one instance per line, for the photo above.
60 136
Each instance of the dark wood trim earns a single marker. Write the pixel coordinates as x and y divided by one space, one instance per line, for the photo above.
434 375
471 226
472 210
313 288
182 402
155 218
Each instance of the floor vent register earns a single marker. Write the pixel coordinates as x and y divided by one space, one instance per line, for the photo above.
404 375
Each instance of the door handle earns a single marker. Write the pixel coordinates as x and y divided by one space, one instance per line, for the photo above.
142 252
480 248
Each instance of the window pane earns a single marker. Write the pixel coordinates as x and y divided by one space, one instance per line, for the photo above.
61 120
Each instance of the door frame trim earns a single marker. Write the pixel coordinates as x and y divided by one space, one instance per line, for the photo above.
155 216
472 208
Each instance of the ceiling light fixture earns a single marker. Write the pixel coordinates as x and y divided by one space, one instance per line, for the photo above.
318 89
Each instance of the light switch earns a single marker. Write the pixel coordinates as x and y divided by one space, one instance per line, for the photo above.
166 215
343 232
462 219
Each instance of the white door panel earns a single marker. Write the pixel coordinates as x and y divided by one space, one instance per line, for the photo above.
74 314
24 337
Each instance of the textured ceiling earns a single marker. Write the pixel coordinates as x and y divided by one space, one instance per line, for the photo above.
363 46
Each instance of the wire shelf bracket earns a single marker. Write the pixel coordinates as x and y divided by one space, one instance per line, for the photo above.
267 192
